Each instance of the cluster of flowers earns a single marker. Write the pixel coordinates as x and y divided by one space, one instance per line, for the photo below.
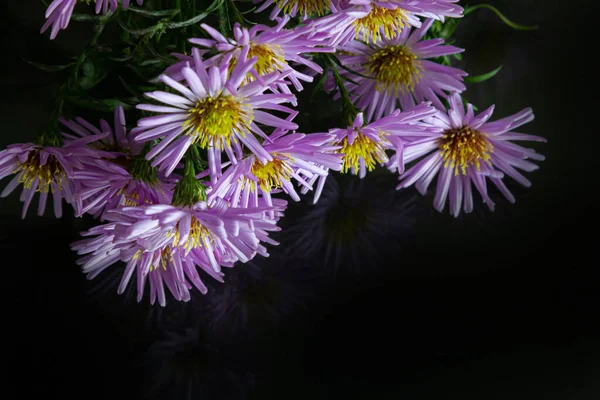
167 213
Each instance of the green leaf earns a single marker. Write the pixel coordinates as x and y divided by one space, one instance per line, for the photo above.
449 27
154 13
49 68
93 70
121 59
192 21
160 26
483 77
320 86
84 17
507 21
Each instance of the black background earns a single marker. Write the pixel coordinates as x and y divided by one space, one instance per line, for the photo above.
371 293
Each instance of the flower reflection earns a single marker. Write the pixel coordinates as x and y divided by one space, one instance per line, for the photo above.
251 301
355 224
125 312
256 298
184 365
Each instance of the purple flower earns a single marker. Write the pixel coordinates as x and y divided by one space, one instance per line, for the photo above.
59 12
274 48
46 169
302 8
465 151
164 244
397 71
128 180
373 20
214 112
104 186
295 156
389 18
364 146
117 139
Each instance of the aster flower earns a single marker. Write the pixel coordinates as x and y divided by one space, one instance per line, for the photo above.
46 169
303 8
364 145
396 71
292 155
387 19
465 152
214 112
115 139
59 12
274 47
128 181
104 186
165 243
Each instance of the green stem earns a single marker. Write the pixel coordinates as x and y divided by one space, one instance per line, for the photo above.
51 135
189 190
349 110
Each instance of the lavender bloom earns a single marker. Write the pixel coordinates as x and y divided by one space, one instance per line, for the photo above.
399 72
46 169
105 186
274 47
214 112
389 18
302 8
116 139
129 181
364 146
105 6
160 267
59 12
466 150
165 243
296 156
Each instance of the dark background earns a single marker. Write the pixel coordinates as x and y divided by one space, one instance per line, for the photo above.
372 293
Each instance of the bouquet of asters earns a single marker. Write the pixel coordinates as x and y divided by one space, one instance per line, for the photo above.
202 152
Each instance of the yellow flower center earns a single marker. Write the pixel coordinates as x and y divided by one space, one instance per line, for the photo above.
165 257
196 238
215 121
272 174
270 58
364 147
51 172
132 199
464 147
391 20
395 68
304 7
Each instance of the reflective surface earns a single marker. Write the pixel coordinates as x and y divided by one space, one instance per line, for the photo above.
371 293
